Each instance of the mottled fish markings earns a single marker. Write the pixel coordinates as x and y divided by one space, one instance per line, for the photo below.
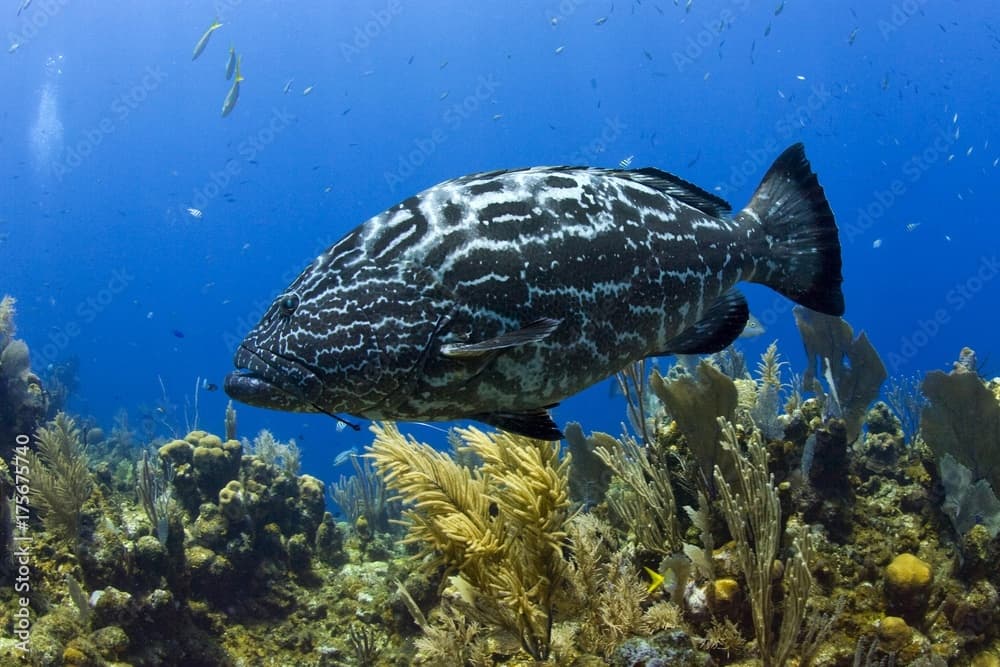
496 295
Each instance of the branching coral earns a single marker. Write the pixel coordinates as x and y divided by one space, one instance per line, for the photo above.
61 482
648 506
609 598
364 494
752 511
268 449
766 408
500 526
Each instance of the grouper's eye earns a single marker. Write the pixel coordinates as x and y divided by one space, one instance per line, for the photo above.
288 304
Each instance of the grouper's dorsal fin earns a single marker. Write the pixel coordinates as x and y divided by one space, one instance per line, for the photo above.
721 325
529 333
536 424
680 189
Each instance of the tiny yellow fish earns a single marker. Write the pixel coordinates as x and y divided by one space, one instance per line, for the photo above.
655 579
203 42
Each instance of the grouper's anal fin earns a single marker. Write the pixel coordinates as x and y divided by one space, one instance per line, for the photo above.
530 333
722 323
536 423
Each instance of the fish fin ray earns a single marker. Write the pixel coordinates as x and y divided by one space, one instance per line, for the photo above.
530 333
799 249
678 188
721 324
536 423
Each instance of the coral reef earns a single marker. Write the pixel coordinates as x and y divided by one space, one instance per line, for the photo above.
60 479
852 368
695 403
500 527
962 418
23 402
799 547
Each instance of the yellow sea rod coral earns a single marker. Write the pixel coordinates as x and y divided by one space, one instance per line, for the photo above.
500 526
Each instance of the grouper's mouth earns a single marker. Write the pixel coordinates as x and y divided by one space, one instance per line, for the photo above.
267 380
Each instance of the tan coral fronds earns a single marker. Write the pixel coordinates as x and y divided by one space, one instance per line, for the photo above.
449 513
769 367
61 482
500 526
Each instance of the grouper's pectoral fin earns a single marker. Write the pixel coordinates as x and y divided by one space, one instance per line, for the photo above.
722 323
536 424
530 333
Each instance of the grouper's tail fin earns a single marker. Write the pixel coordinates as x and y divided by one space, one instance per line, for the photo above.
798 253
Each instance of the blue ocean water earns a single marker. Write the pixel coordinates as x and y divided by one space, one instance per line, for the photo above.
109 133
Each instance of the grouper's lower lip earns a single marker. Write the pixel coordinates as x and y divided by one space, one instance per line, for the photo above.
245 387
265 379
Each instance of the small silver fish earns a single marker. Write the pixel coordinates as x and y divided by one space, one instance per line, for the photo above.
626 162
346 455
912 226
287 87
307 90
753 327
203 42
195 213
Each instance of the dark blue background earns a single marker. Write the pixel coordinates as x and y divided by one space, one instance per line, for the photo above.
104 199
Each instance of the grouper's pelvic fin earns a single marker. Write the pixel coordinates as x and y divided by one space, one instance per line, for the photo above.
536 424
798 253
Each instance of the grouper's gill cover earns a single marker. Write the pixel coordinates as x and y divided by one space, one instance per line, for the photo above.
494 296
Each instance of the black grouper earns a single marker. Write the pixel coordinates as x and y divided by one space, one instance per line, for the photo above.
496 295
